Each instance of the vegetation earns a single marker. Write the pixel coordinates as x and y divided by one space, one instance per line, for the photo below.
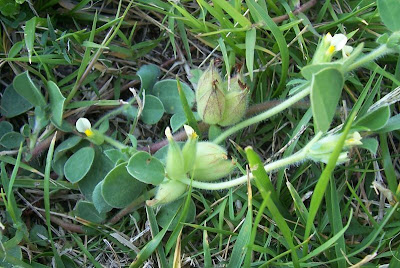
199 133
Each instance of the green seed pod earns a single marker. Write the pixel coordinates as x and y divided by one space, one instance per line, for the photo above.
236 101
175 165
210 96
190 148
211 162
168 191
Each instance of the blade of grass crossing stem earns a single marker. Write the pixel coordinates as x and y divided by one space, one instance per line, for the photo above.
225 56
12 205
188 112
154 231
171 32
221 221
239 249
177 254
46 196
206 249
286 232
257 11
185 40
262 179
247 260
323 180
150 247
85 251
387 163
236 15
335 219
250 45
325 246
173 238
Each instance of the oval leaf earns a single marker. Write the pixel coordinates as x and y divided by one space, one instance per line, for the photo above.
56 102
78 165
88 212
120 188
146 168
326 89
374 120
153 110
167 92
389 11
98 201
11 140
25 87
13 104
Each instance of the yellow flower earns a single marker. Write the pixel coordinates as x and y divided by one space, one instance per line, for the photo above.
83 125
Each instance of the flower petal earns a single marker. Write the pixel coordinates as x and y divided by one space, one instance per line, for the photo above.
83 124
339 41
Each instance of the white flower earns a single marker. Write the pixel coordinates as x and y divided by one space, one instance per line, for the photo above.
338 42
83 125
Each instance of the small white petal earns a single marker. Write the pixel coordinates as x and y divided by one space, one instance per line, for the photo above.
346 51
83 124
339 41
168 133
189 130
328 37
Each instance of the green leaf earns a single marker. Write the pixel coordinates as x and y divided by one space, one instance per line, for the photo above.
29 36
120 188
11 140
326 89
389 11
65 146
36 234
100 168
56 102
25 87
373 120
213 132
15 49
153 110
98 201
371 144
148 75
5 127
167 92
146 168
250 45
236 15
87 211
177 121
392 124
169 213
79 164
191 119
308 71
13 104
9 7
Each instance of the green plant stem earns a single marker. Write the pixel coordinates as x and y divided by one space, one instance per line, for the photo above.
299 156
373 55
114 143
265 115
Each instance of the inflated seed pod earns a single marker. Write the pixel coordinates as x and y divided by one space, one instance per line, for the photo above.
236 102
167 191
211 162
210 96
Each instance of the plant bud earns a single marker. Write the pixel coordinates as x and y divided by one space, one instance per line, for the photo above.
190 148
210 96
236 101
175 166
168 191
211 162
322 149
83 125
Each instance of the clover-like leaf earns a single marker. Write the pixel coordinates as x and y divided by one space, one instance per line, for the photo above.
79 164
146 168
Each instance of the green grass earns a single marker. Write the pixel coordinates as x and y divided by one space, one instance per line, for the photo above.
82 58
